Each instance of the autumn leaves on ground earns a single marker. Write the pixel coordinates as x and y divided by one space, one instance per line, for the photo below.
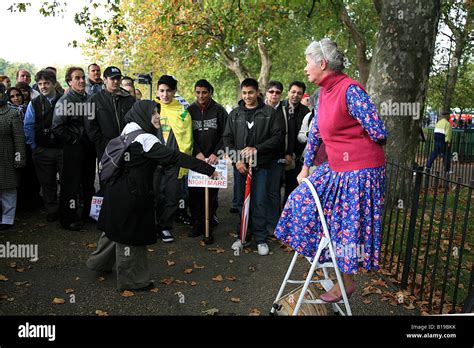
191 278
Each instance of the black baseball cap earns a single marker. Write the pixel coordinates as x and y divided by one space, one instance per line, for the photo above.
112 71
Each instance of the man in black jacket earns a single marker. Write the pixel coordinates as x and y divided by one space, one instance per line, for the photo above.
209 120
110 105
78 151
253 132
46 147
295 112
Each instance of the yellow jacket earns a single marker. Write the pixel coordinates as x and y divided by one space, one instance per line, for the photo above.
444 127
174 116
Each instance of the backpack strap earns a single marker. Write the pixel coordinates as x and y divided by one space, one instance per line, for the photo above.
130 137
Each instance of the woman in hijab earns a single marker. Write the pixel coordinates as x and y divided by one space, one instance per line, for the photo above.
127 214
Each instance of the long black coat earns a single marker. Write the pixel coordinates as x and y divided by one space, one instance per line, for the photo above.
127 214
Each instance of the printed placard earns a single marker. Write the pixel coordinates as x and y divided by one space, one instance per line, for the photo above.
96 205
200 180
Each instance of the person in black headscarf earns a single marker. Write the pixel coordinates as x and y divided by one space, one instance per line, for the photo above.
127 217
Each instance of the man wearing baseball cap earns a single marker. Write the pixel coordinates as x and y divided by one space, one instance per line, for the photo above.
110 105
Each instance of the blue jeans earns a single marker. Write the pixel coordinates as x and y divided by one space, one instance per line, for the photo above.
258 197
440 147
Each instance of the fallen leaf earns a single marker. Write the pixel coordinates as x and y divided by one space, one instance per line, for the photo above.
21 283
20 269
11 299
235 299
410 306
379 282
425 313
212 311
231 261
367 301
201 243
101 313
168 281
127 293
155 290
254 312
177 281
227 289
218 278
40 225
170 263
252 268
69 291
3 278
195 265
231 278
203 303
171 252
91 246
101 279
218 250
151 250
193 283
77 278
58 300
188 270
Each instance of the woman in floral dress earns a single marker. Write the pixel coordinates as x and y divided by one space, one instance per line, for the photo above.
351 184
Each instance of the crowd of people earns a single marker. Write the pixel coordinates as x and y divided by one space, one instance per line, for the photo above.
60 137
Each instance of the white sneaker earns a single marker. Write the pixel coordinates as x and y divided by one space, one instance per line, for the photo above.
166 236
237 245
263 249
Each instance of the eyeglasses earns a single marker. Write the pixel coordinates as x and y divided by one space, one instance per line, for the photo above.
274 91
15 95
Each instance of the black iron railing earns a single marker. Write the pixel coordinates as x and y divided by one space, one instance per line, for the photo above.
428 237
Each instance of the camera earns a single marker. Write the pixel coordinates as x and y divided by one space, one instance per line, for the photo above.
145 79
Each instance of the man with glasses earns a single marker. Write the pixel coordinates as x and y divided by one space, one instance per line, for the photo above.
295 112
273 99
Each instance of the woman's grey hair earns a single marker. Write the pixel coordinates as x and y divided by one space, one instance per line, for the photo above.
326 49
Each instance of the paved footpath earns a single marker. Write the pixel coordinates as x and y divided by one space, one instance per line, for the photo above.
191 278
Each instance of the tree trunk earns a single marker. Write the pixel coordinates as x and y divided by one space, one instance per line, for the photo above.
460 35
400 69
266 66
235 65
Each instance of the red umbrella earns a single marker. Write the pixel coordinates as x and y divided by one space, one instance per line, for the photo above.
245 208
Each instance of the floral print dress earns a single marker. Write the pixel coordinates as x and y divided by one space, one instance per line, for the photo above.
352 201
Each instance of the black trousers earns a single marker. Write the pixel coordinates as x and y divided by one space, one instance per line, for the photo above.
167 189
29 198
290 179
197 205
77 179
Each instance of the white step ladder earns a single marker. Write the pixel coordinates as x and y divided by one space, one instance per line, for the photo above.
326 283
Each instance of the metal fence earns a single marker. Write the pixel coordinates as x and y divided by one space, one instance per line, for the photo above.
428 238
461 152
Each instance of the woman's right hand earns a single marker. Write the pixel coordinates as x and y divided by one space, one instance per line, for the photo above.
303 174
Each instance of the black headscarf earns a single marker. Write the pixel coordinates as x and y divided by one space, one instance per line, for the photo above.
140 113
3 95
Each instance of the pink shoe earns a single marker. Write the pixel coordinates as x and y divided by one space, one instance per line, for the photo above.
328 297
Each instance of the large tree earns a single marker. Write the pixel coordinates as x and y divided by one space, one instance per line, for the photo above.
400 69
